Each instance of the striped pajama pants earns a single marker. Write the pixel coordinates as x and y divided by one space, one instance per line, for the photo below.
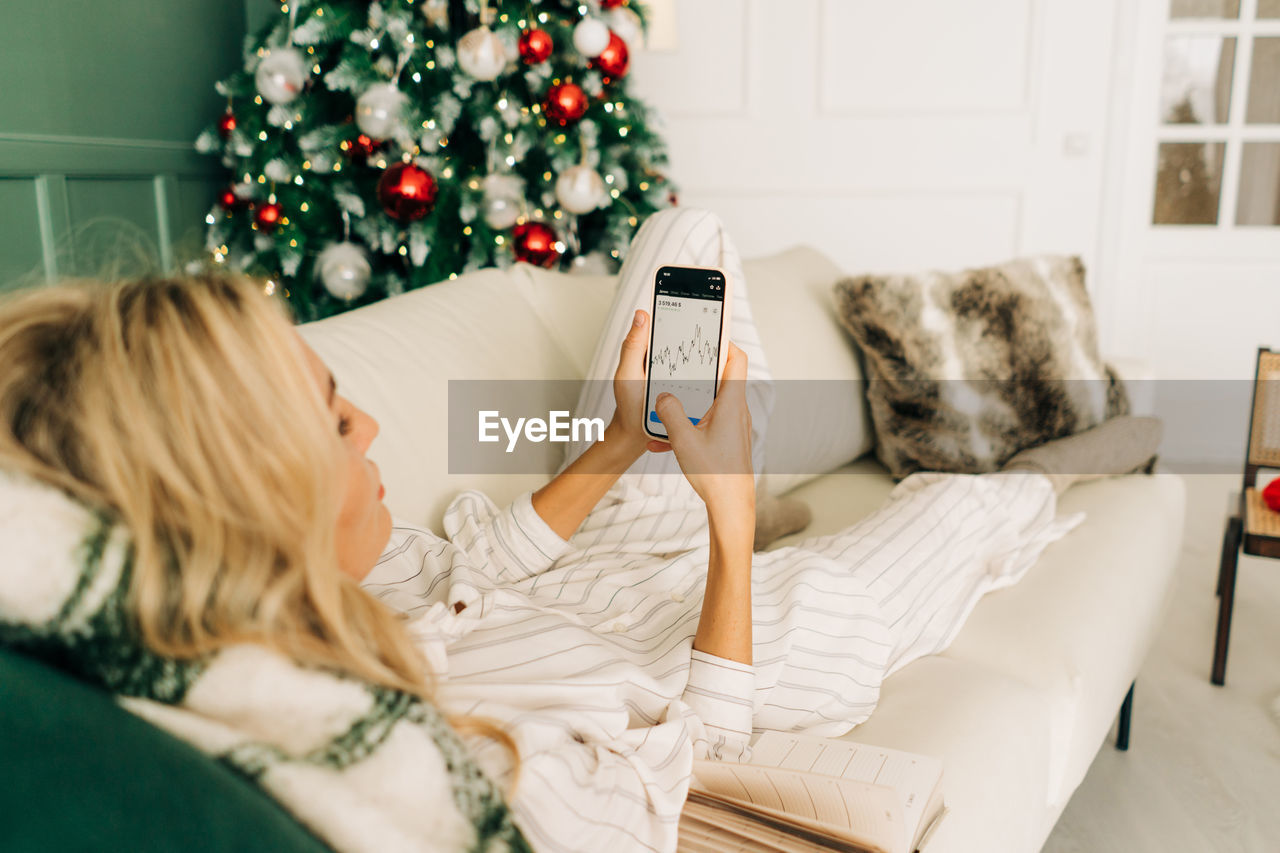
834 614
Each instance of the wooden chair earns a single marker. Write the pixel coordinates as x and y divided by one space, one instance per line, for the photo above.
1252 526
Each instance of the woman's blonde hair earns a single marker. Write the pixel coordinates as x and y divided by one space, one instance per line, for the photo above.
185 408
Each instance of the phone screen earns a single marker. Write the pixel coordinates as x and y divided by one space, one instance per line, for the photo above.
684 341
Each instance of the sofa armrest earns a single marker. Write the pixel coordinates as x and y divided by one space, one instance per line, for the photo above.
1140 381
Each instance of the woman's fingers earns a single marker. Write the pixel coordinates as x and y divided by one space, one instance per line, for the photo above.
671 413
631 361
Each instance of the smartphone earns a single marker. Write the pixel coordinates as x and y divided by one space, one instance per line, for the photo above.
688 340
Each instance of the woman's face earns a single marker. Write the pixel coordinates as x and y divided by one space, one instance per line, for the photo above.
364 523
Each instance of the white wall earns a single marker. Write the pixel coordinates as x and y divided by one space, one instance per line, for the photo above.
892 135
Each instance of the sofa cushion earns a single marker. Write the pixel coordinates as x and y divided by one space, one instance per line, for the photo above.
1084 616
820 419
967 368
396 359
989 730
82 773
1075 629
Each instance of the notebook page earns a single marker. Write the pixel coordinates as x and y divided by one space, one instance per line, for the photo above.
914 777
729 827
863 813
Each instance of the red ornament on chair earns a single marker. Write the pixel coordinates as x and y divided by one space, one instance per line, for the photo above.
1271 495
226 124
406 192
614 60
268 216
535 46
566 103
535 243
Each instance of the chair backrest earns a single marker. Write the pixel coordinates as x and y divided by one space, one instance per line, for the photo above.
1264 419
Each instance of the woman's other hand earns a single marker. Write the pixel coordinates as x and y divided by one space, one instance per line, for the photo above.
715 453
626 430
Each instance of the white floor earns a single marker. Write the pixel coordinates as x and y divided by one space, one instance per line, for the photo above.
1203 769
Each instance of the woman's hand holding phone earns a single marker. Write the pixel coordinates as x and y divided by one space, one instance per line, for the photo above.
626 431
715 453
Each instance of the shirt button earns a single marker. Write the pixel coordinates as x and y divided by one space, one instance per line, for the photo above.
677 597
618 627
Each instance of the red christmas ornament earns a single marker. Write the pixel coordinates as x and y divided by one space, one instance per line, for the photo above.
566 103
674 199
229 200
268 216
226 124
535 243
406 192
360 149
535 46
614 59
612 4
1271 494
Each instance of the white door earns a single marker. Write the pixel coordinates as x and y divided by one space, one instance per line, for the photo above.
1192 254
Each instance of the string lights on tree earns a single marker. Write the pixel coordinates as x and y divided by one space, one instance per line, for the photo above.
382 146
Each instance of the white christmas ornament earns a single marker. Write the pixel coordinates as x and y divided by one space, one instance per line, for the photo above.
503 195
580 189
626 23
344 270
378 110
281 75
437 13
590 37
481 54
501 212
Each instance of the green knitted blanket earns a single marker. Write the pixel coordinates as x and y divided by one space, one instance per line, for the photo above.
364 767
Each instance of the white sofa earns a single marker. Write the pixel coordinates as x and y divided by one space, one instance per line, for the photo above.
1017 707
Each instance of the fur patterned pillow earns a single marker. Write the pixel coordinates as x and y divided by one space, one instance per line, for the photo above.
966 368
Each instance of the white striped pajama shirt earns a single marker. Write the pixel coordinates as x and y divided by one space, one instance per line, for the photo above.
583 649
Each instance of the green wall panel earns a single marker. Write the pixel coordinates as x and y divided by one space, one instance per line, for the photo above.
20 257
127 69
114 229
99 110
195 197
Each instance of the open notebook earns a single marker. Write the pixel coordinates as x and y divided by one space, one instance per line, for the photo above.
813 794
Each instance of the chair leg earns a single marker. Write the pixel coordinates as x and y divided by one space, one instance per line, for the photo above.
1226 598
1126 715
1230 544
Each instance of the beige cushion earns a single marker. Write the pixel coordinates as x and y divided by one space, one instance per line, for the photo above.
395 359
820 420
989 730
1074 631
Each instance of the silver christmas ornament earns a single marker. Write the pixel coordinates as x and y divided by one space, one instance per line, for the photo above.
281 75
580 189
437 13
344 270
591 37
378 110
501 212
626 23
481 54
503 201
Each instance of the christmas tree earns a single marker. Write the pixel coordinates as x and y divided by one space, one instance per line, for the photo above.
381 146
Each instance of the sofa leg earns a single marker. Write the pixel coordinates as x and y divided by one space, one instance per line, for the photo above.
1126 715
1226 598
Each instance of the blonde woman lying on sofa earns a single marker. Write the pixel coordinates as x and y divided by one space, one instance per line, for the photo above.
188 513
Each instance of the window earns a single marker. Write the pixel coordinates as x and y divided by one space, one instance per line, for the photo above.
1218 136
